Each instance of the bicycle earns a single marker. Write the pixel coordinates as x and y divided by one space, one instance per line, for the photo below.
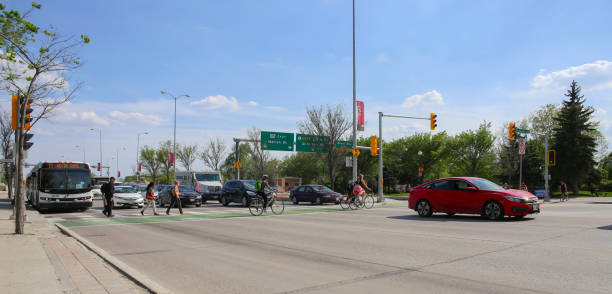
354 202
256 205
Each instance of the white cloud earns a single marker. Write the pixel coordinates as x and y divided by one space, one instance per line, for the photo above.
253 103
218 101
275 108
594 76
92 117
382 58
431 97
136 117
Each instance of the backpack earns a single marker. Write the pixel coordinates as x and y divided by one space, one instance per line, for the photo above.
258 185
104 189
350 187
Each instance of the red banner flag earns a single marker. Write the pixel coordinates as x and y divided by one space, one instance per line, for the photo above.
99 166
118 174
140 167
170 158
360 116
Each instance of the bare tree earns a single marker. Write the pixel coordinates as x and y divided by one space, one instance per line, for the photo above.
34 66
186 155
163 158
6 144
148 158
261 158
330 124
213 154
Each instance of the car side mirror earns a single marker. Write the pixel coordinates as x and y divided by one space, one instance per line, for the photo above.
471 189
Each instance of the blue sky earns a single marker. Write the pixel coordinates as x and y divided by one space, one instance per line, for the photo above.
261 63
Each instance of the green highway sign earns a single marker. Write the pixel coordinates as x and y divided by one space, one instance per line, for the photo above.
344 145
277 141
310 143
524 131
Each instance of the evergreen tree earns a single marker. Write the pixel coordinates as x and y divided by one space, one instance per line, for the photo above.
573 141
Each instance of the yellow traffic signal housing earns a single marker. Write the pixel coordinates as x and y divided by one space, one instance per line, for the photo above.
15 101
511 131
28 116
552 157
432 121
374 146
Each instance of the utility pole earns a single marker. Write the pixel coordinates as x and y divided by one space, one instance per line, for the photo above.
380 158
546 159
354 100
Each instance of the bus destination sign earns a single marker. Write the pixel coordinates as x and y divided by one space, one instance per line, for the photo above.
66 165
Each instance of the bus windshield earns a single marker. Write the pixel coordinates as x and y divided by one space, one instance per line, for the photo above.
65 179
207 177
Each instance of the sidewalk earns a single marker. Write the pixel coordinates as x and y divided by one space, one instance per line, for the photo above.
44 260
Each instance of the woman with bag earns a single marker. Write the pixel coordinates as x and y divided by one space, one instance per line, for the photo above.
150 199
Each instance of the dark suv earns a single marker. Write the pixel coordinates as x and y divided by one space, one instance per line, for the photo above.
237 191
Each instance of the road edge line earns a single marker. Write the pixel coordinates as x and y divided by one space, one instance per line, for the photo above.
125 269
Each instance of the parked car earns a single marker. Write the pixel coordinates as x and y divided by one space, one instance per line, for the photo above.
315 194
237 191
127 196
96 191
190 196
471 196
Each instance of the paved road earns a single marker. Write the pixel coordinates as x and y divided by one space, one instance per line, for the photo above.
565 249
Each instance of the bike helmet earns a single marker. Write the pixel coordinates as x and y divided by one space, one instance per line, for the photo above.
264 177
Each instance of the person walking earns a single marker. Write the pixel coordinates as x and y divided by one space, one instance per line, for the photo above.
150 198
174 198
109 191
564 195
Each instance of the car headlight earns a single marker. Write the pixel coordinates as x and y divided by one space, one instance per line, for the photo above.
514 199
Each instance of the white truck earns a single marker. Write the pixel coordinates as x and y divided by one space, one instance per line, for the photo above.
207 183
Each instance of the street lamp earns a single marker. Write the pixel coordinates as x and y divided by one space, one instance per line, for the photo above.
174 144
82 147
138 156
99 130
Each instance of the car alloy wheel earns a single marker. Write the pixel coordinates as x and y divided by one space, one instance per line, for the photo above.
424 208
493 210
294 200
224 201
318 201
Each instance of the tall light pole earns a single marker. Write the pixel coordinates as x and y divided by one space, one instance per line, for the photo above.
99 130
138 156
122 148
174 144
354 100
82 147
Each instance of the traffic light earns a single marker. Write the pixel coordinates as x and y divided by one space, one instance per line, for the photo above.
15 101
27 145
432 121
374 146
511 131
552 157
28 115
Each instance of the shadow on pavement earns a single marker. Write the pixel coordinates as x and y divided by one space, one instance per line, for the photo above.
457 218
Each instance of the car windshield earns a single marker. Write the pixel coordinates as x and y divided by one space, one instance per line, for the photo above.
124 190
322 189
249 185
484 184
207 177
185 189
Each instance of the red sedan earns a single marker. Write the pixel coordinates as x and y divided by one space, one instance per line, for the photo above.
471 196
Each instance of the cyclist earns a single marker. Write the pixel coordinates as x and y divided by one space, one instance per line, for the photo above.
261 186
358 189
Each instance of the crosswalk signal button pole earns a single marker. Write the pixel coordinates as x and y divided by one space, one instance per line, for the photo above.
432 121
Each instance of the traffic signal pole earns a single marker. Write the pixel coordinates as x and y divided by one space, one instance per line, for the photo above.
547 160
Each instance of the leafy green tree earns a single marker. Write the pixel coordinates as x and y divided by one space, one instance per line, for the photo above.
246 172
148 158
472 154
162 155
574 142
302 165
35 66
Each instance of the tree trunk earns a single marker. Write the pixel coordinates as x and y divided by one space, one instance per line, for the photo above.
575 187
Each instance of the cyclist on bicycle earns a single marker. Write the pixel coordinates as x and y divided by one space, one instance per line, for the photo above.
358 189
261 186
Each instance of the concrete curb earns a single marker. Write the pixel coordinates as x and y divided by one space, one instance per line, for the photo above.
135 275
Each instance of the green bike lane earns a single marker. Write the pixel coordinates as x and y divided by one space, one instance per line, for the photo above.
123 220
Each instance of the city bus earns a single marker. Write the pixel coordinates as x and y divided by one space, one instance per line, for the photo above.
54 184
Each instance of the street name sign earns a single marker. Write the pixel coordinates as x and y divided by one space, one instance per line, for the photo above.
524 131
277 141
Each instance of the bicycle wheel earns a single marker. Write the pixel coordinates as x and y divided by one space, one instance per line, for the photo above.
344 204
256 207
277 207
368 202
354 203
